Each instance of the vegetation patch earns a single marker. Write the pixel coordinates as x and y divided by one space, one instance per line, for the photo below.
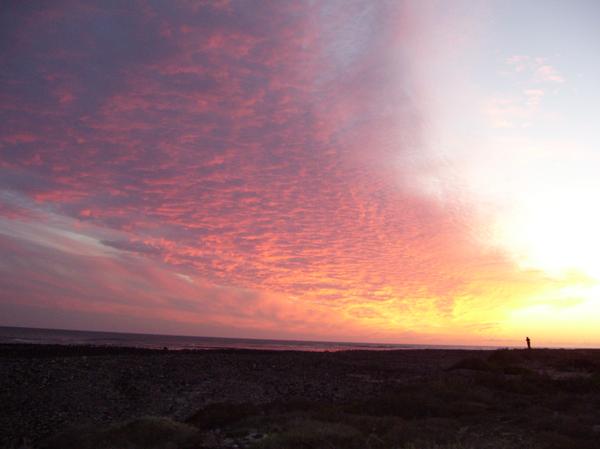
147 433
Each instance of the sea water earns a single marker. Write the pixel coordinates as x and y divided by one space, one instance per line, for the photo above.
77 337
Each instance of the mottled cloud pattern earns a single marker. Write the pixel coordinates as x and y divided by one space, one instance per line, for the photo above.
234 168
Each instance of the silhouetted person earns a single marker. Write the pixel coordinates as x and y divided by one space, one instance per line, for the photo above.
528 342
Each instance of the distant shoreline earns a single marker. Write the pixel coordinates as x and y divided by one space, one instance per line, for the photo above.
157 341
77 350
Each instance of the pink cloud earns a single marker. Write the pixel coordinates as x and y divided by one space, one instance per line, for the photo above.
236 167
548 73
536 68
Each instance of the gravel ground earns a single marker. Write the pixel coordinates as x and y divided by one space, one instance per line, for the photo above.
46 388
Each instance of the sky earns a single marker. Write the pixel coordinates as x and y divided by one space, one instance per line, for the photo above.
403 172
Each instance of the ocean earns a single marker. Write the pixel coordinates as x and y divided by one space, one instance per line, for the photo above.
175 342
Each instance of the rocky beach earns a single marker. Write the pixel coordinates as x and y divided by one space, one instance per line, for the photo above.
484 399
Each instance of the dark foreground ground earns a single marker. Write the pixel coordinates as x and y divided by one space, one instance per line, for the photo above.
84 397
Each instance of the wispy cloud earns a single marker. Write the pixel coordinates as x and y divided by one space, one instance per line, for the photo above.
521 104
537 68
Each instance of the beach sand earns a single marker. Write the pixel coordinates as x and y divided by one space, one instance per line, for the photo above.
244 398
